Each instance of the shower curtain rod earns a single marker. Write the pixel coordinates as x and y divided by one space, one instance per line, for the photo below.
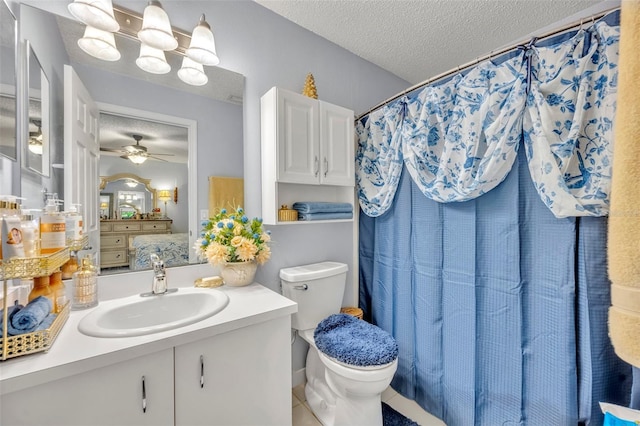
577 23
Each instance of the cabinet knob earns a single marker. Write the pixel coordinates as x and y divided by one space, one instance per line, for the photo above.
144 397
201 372
316 166
326 166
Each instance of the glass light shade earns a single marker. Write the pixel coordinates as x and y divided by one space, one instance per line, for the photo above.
99 44
192 72
202 48
156 28
152 60
137 159
95 13
132 184
35 146
164 195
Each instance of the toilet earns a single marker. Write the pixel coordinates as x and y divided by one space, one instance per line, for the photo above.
345 376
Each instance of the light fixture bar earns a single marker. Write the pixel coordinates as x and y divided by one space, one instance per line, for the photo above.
131 22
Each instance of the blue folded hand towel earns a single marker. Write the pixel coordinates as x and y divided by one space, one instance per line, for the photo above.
354 341
322 206
27 319
11 311
325 216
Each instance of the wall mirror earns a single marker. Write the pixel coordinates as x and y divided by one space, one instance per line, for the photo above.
36 154
121 89
8 55
127 195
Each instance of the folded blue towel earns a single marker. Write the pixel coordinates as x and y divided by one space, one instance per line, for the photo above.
10 313
325 216
27 319
354 341
322 206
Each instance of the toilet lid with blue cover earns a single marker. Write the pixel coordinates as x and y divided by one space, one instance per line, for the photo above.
354 342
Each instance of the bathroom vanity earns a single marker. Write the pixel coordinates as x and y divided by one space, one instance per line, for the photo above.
233 368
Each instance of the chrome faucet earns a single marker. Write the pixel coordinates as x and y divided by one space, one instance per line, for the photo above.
159 285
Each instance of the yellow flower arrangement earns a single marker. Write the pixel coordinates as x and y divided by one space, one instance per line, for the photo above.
232 237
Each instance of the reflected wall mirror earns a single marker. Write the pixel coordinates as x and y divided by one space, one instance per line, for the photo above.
128 193
8 72
36 154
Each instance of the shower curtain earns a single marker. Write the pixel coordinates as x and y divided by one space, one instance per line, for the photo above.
482 243
498 307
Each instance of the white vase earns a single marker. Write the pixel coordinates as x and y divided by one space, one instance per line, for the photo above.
238 274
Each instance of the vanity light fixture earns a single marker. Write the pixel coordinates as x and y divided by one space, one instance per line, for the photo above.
192 72
203 47
95 13
154 31
152 60
99 44
131 183
164 195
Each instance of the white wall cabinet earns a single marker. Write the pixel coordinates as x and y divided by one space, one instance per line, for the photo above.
307 151
111 395
246 380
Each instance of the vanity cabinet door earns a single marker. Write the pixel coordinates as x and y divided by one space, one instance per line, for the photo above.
242 377
111 395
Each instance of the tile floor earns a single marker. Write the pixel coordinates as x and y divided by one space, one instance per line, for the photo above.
302 415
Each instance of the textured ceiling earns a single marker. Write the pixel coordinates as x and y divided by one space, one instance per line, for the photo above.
419 39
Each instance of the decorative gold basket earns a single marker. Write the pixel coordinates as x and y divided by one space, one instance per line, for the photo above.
79 244
354 312
285 214
28 267
37 341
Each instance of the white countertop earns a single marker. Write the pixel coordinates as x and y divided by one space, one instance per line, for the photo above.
74 353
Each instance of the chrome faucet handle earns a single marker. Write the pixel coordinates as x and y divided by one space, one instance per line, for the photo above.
158 264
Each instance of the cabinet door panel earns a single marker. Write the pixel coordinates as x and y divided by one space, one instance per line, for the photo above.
247 377
298 151
337 145
110 395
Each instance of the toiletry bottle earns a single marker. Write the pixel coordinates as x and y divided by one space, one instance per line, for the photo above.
85 285
70 267
11 238
57 288
52 229
30 234
41 288
73 225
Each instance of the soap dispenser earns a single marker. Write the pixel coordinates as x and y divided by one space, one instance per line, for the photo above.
52 228
73 224
85 285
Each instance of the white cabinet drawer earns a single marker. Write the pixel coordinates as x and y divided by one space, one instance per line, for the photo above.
105 227
113 241
150 226
121 227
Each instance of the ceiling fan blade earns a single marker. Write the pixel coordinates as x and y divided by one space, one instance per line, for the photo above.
157 158
110 150
153 153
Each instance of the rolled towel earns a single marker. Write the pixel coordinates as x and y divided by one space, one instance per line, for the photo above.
322 206
27 319
46 323
325 216
10 313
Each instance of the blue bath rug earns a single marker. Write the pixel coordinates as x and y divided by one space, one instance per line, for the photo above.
391 417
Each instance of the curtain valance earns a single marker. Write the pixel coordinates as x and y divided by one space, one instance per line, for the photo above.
459 139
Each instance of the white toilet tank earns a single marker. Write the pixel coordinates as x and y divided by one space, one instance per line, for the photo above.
316 288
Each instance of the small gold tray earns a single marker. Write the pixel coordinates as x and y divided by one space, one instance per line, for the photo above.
27 267
37 341
208 282
79 244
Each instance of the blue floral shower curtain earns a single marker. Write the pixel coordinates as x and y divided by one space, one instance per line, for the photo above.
487 262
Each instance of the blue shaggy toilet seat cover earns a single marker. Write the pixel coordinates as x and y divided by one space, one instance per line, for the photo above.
354 341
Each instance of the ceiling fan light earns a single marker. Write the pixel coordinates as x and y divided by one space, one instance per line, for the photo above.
95 13
156 28
137 158
152 60
99 44
202 48
192 73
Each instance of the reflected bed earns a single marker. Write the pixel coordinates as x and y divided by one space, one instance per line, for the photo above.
173 249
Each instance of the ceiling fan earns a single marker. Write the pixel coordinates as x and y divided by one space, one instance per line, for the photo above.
137 153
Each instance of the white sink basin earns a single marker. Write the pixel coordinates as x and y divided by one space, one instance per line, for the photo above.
136 315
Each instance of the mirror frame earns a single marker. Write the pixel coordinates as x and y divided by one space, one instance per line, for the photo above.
32 61
13 155
104 180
